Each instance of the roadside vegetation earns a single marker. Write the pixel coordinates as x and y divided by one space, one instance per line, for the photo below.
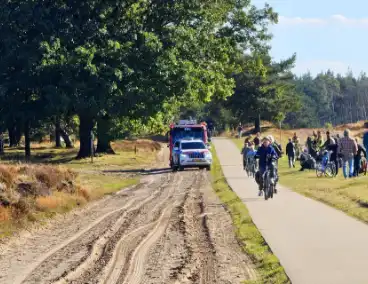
350 196
266 263
53 182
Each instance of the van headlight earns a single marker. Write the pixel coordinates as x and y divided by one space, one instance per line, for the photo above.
183 156
208 156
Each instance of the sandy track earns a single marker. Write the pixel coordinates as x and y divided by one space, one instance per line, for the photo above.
169 229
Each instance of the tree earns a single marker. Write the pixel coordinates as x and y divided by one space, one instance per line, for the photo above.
264 89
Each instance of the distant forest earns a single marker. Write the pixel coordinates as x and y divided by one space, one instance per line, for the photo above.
330 98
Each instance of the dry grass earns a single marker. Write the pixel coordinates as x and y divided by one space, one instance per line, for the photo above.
54 182
5 214
142 145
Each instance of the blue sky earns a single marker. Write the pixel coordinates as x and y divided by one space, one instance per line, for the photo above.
325 34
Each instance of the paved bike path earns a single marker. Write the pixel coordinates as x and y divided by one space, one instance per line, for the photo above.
315 243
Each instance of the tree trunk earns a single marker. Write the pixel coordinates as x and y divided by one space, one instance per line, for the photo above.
103 136
68 142
27 138
12 137
57 134
85 131
18 134
257 124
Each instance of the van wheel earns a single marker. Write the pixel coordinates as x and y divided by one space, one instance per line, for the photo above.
208 168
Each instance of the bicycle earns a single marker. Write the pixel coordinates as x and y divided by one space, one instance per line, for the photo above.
268 186
326 167
251 167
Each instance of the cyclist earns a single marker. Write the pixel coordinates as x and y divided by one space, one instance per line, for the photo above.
331 145
278 151
265 153
251 153
244 152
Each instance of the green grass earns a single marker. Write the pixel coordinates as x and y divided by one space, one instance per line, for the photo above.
267 265
349 196
125 157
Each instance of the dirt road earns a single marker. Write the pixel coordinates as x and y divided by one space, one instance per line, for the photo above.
169 229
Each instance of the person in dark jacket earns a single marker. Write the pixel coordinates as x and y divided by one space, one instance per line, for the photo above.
334 156
307 161
331 145
257 140
266 154
358 158
290 152
329 140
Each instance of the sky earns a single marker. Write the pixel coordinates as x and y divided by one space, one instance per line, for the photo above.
324 34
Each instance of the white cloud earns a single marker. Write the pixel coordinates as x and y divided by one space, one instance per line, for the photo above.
299 20
339 19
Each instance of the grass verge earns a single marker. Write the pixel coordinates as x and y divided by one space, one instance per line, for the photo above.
267 265
347 195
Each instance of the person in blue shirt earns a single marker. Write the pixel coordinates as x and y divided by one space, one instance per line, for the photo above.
251 153
266 154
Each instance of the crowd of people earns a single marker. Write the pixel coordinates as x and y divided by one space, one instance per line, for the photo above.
344 152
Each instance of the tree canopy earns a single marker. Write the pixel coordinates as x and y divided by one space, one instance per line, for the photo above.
123 62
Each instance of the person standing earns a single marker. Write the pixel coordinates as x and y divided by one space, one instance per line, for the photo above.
240 130
319 141
358 158
348 148
290 152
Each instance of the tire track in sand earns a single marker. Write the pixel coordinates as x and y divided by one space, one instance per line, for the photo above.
136 271
200 264
98 248
125 247
27 275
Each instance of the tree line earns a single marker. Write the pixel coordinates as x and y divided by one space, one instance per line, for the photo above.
111 67
305 101
330 99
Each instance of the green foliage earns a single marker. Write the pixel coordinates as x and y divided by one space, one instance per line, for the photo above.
137 63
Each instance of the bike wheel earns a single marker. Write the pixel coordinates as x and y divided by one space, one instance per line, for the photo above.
330 170
271 190
319 171
266 187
